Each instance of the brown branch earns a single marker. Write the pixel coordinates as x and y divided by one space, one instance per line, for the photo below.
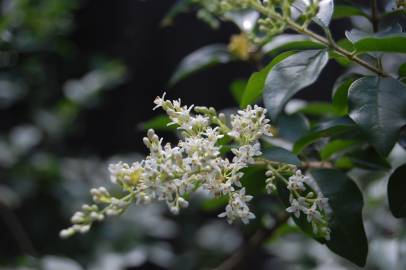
317 165
17 230
255 242
374 15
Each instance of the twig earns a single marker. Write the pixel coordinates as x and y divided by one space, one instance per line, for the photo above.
327 42
374 15
255 242
17 230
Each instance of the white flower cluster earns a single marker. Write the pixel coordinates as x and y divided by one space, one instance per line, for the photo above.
169 172
314 206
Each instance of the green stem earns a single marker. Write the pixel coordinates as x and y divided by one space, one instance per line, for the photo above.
327 42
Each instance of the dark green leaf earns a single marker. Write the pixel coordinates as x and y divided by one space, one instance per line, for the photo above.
255 85
319 109
336 146
290 76
402 72
177 8
237 89
279 154
292 127
215 203
254 180
348 237
290 42
340 94
396 192
200 59
159 122
390 40
378 106
326 129
323 16
344 11
367 159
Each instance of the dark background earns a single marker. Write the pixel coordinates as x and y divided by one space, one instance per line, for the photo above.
131 31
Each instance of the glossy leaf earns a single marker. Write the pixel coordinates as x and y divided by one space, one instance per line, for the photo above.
348 238
390 40
334 147
159 122
323 16
396 192
344 11
290 42
237 88
326 129
292 127
367 159
319 109
255 85
378 106
402 72
290 76
280 154
340 94
200 59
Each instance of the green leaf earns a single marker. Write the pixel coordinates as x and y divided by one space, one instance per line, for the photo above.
323 16
292 127
159 122
348 237
280 154
344 11
402 72
200 59
237 89
215 203
340 94
396 192
335 147
367 159
255 85
326 129
319 109
290 42
254 180
378 106
290 76
390 40
179 7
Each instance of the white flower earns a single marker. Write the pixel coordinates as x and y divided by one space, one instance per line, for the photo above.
169 172
296 182
296 206
237 207
249 125
159 101
313 214
245 153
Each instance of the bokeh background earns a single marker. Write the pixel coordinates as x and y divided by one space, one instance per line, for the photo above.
77 80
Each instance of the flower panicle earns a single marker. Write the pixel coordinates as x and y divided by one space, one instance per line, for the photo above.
169 172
